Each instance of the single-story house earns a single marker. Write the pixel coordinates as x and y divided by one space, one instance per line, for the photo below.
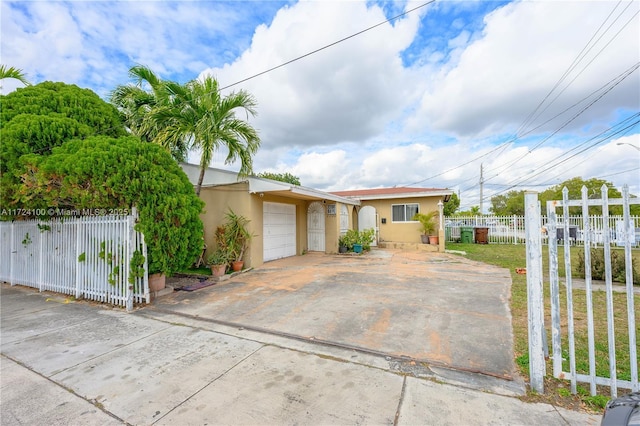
391 210
285 219
288 220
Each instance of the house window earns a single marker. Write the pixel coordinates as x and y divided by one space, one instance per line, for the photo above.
403 212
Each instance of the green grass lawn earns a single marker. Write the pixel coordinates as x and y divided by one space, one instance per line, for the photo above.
513 256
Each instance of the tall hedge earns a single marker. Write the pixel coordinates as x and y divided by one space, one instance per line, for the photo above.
34 119
102 172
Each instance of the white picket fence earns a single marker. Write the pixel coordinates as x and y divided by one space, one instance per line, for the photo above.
622 233
511 230
101 258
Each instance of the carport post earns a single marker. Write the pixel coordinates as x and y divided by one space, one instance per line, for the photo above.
535 306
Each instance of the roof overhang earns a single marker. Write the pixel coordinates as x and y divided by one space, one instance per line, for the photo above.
217 177
445 193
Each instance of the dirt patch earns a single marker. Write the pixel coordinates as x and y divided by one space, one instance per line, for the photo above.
557 393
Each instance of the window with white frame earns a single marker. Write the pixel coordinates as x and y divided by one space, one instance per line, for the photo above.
403 212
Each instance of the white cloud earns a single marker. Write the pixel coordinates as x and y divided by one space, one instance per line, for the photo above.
346 93
422 101
526 48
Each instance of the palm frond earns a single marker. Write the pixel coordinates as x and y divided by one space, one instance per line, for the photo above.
15 73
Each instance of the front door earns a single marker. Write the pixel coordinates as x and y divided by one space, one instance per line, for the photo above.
315 227
367 219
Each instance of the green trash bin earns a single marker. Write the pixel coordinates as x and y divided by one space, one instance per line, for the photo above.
466 234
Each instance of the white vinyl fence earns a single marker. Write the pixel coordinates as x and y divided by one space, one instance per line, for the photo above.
620 232
100 258
511 230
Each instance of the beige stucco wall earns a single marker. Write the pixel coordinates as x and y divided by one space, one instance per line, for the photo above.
406 232
332 230
219 199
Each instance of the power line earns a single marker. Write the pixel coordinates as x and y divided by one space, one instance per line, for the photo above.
519 133
606 135
290 61
606 138
613 83
576 61
585 50
620 173
328 45
591 61
503 146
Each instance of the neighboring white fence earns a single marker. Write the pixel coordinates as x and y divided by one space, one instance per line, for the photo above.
510 229
100 258
622 233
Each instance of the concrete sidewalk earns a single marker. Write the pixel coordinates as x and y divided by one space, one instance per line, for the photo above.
66 362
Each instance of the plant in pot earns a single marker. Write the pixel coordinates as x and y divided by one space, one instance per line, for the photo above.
350 239
343 244
366 237
428 225
237 238
218 261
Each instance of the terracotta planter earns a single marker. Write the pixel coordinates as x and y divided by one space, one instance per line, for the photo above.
237 265
433 239
218 270
157 282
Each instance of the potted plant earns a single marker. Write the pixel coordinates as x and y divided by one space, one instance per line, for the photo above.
428 224
343 244
236 238
366 237
218 261
350 239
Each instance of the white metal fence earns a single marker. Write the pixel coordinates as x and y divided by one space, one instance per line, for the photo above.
100 258
511 229
622 233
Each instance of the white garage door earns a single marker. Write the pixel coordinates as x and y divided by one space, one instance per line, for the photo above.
279 230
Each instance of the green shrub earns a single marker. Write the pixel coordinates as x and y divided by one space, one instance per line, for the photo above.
366 238
106 173
618 271
353 236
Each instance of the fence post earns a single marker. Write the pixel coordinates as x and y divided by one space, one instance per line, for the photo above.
41 265
631 316
534 291
606 237
79 265
586 223
569 285
129 250
552 242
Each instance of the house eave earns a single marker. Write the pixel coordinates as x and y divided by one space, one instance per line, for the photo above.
217 177
444 193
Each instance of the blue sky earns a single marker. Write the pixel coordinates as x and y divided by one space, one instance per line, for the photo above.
424 100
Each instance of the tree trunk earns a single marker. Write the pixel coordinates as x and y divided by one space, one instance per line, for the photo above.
200 179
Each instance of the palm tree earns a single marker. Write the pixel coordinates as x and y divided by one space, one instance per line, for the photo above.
15 73
197 114
136 102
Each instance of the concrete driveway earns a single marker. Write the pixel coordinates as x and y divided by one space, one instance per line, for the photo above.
433 308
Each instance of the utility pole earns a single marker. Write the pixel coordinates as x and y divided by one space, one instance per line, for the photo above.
481 185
